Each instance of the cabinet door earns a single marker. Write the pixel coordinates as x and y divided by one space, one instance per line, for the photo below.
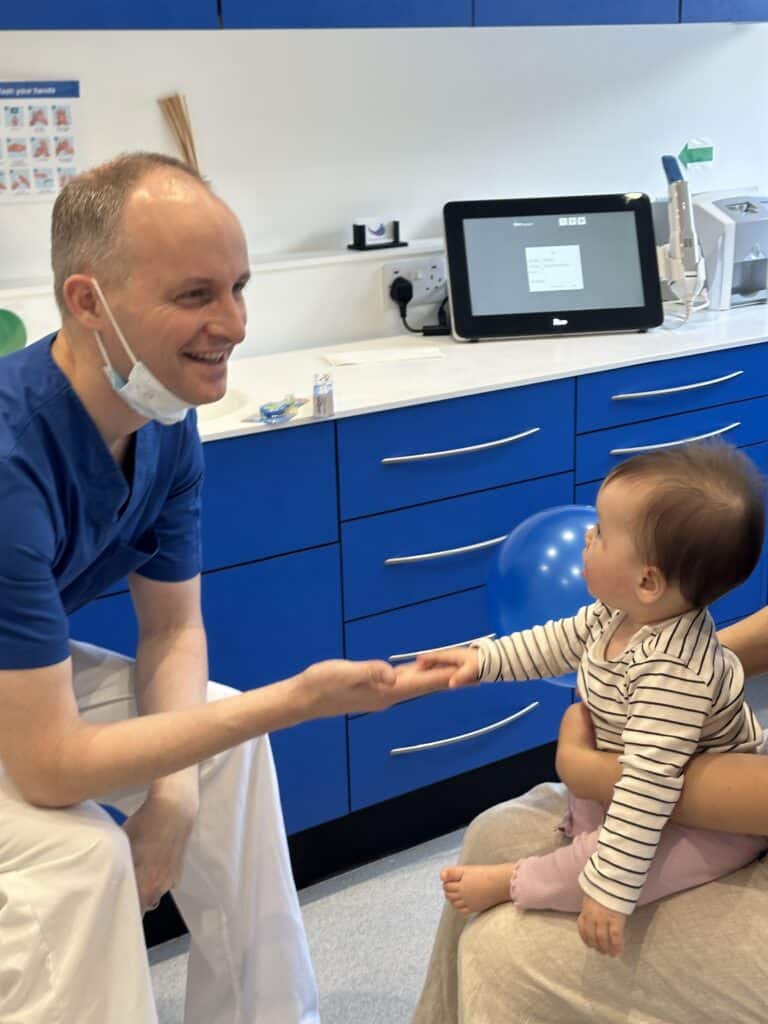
269 493
344 13
724 10
573 12
95 14
265 621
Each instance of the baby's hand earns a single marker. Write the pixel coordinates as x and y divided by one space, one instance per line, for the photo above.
600 928
463 661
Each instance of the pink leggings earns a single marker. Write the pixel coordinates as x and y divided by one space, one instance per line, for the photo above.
685 857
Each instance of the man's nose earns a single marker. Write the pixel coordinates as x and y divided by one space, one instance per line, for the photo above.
229 321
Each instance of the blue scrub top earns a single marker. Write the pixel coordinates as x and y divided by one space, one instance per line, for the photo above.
71 525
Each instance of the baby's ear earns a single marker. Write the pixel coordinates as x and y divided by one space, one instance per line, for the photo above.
651 585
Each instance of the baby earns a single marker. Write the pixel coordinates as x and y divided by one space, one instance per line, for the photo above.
677 528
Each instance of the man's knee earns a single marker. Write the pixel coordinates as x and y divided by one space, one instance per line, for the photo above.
96 846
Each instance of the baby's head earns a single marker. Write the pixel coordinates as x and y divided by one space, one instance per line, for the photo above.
678 528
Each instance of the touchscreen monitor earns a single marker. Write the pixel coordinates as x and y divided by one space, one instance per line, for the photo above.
560 265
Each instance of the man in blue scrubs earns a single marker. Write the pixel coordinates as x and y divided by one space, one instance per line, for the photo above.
100 476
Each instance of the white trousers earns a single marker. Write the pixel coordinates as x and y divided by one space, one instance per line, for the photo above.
71 942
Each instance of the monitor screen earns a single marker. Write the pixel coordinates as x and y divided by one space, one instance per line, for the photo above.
515 266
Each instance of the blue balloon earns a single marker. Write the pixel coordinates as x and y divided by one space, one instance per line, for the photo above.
536 575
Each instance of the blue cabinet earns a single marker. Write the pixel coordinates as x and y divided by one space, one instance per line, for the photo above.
574 12
399 558
95 14
258 490
345 14
670 387
298 569
724 10
464 729
393 459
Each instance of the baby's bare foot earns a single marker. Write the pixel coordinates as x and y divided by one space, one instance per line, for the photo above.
472 888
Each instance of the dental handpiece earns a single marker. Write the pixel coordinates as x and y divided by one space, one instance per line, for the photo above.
684 258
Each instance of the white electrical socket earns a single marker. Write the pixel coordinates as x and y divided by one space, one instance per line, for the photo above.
426 274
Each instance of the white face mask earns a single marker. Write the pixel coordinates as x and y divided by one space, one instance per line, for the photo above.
143 392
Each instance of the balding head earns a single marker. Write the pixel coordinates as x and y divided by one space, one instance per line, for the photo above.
88 233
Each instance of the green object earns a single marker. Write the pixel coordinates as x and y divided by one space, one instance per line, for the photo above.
13 333
696 154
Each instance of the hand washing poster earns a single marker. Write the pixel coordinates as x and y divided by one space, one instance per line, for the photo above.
38 139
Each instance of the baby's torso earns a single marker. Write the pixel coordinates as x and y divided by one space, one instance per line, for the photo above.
672 679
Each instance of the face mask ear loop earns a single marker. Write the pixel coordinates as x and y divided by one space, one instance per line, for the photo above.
104 356
118 332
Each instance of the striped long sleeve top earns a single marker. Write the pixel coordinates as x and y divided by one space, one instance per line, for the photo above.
673 692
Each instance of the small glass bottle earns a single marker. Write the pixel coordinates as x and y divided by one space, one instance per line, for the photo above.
322 394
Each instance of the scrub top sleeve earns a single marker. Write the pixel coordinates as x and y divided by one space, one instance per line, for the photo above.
177 528
34 629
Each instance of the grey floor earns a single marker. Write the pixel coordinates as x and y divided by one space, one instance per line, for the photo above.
370 930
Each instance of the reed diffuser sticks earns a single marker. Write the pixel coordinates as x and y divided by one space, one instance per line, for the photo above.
177 115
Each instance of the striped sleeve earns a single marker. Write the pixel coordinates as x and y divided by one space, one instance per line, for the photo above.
668 704
550 650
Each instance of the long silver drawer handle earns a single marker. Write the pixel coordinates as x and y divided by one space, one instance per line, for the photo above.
435 744
677 390
393 459
446 647
402 559
673 444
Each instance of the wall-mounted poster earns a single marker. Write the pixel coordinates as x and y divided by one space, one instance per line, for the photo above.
38 139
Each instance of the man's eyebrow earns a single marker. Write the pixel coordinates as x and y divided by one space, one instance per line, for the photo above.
191 282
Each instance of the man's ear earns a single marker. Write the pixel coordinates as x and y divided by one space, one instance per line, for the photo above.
82 301
651 585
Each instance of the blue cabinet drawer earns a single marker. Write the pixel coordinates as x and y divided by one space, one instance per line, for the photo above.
265 622
345 13
453 447
94 14
444 622
456 529
670 387
741 423
724 10
266 494
566 12
376 774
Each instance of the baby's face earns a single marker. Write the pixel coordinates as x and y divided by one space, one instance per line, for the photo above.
612 566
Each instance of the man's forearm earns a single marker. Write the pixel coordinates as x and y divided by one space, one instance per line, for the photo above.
91 759
171 674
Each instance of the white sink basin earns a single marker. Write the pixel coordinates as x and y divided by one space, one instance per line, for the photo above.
233 403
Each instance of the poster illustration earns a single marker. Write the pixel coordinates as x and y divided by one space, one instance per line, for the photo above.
38 139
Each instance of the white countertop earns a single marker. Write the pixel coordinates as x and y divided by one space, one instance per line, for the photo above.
464 369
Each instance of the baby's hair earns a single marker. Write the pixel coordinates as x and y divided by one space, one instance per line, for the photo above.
703 522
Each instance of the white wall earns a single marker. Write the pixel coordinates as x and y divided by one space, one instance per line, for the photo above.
302 131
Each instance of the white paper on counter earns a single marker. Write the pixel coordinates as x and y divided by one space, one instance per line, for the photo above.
360 357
